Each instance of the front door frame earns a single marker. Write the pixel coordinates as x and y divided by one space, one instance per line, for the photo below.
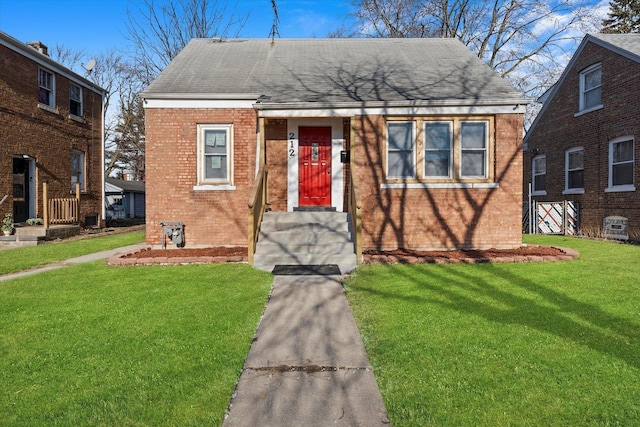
337 144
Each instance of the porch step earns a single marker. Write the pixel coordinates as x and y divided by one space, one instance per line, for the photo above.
305 238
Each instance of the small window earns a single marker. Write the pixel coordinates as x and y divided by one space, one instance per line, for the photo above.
539 178
215 152
574 167
46 94
591 88
621 163
400 152
77 169
438 139
75 100
473 146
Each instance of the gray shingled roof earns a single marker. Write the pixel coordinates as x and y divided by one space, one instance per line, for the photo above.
349 71
133 186
626 42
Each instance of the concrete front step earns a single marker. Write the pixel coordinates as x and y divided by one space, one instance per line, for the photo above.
305 238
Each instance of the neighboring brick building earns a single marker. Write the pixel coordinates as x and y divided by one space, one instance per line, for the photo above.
432 135
50 131
583 143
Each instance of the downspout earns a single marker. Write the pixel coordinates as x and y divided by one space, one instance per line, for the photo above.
102 192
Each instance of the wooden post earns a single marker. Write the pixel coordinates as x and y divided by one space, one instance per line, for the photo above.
77 212
45 204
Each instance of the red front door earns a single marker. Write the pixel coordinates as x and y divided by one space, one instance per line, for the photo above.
314 150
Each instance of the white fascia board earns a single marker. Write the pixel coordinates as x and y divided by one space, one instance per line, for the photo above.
199 103
395 111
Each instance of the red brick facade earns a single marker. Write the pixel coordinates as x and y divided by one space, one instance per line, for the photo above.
559 128
45 138
441 218
414 218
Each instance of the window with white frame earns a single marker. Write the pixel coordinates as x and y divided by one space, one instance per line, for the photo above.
591 87
46 88
473 149
539 172
448 150
75 100
574 169
400 151
621 169
215 148
438 142
77 169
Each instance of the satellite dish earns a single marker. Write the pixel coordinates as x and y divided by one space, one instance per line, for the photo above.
90 65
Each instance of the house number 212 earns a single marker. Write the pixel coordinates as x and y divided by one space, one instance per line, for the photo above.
292 151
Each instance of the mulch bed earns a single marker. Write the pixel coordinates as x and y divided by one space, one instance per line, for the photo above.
398 256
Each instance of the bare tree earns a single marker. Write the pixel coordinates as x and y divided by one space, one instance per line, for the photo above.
525 41
159 31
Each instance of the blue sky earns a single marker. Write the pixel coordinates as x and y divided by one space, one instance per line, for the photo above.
98 25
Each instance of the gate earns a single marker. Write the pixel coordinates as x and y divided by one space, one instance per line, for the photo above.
556 217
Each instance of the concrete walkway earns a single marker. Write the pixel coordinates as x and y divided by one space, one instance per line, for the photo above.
82 259
307 365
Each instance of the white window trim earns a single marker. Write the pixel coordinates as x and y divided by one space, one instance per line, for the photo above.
582 108
626 187
49 107
413 150
80 101
485 150
424 148
535 192
577 190
204 184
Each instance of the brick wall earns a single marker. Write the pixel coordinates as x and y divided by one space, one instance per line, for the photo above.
558 129
49 137
441 218
211 218
277 160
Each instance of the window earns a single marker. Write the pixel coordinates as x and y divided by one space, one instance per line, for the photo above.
438 140
448 150
214 154
400 153
473 145
590 88
46 94
75 100
539 178
574 169
77 169
621 164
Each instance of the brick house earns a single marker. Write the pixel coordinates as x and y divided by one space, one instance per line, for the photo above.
418 136
582 145
50 132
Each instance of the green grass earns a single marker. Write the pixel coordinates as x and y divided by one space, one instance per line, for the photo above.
12 260
97 345
525 344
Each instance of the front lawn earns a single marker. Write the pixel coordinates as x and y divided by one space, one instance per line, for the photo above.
97 345
506 344
17 259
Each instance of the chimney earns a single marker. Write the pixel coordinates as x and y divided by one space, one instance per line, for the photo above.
40 47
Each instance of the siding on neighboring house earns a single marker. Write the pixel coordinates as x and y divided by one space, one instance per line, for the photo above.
562 126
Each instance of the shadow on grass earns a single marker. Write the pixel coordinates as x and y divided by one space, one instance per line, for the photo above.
546 310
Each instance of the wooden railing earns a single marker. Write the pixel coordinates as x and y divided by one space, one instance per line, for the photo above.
258 202
355 208
60 210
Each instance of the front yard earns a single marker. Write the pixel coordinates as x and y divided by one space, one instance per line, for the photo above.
506 344
97 345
